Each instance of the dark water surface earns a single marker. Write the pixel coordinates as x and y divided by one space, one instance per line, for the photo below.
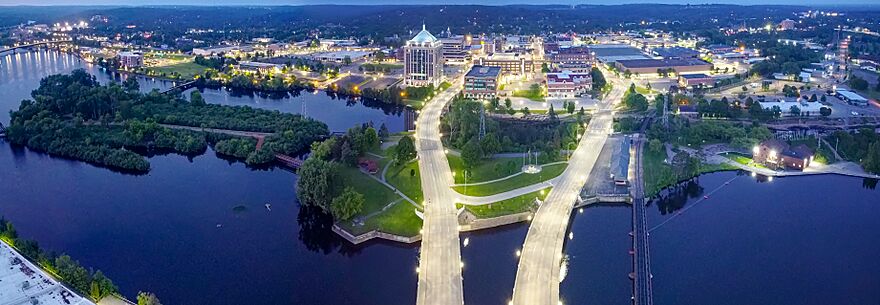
804 240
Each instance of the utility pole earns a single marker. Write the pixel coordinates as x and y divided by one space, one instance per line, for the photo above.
482 122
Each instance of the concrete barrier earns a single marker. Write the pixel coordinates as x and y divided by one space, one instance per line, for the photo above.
357 239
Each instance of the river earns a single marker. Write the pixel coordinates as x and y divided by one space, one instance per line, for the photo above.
800 240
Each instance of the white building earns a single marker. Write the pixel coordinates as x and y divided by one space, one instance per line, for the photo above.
804 107
423 60
130 59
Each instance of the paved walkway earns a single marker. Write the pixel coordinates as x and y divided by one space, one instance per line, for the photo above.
483 200
505 178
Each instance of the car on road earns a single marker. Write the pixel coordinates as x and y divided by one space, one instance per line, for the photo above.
854 113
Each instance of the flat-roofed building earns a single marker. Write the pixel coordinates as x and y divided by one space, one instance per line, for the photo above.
455 50
568 84
423 60
261 67
340 56
481 82
804 107
510 63
221 50
571 55
696 80
130 59
851 98
676 53
650 66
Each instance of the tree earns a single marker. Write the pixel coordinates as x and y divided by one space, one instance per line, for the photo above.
371 138
858 83
598 79
73 273
508 104
383 131
131 84
347 204
825 111
347 60
570 107
525 111
147 298
684 165
552 113
823 98
471 153
795 110
405 150
655 145
196 98
315 183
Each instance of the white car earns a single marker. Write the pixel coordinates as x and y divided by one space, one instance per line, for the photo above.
854 113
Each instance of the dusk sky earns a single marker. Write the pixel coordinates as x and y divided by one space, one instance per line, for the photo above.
366 2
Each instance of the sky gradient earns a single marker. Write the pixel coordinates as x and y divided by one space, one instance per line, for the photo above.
368 2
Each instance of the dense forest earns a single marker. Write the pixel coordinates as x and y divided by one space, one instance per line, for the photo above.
75 117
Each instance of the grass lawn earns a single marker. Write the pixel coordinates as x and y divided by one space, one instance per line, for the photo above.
513 205
487 170
659 175
548 172
375 194
529 94
186 69
643 90
399 177
415 104
400 219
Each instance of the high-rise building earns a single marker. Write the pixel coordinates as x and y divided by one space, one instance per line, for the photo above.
423 60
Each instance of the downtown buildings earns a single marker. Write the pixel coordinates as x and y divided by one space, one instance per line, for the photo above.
423 60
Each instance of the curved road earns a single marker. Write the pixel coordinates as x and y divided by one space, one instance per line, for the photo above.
440 266
537 277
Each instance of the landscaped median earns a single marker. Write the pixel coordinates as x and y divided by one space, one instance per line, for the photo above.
519 204
520 180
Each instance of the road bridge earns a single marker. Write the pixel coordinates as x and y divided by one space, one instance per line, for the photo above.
538 274
33 44
440 265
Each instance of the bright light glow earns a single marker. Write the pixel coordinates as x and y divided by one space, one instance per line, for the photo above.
772 154
570 235
518 253
418 270
756 150
769 178
467 241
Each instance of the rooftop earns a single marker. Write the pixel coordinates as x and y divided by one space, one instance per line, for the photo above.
23 283
424 37
484 71
676 52
658 63
694 76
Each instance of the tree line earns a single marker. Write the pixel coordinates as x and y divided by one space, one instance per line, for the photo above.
91 284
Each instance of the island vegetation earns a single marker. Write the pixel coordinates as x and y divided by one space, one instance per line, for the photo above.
74 116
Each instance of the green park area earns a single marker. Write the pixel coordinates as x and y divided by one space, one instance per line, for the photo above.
406 179
181 70
510 206
658 174
485 170
535 93
547 172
